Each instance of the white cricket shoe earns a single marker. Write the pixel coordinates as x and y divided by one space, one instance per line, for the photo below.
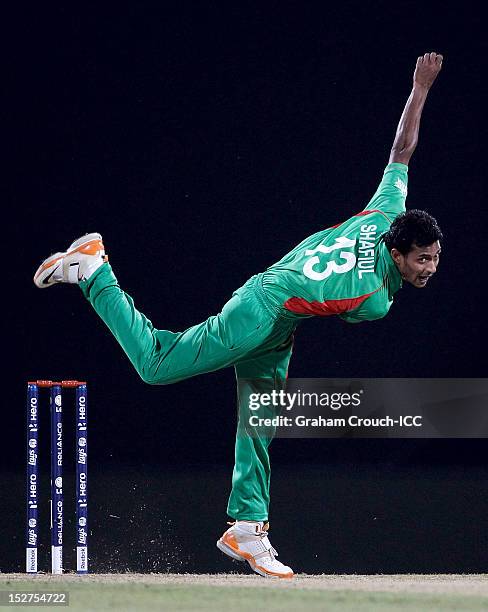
78 263
248 541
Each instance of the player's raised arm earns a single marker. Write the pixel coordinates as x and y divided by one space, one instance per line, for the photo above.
426 70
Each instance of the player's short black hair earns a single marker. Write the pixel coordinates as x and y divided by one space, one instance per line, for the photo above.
414 227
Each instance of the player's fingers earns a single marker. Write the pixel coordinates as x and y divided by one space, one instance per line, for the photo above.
419 60
439 59
433 55
426 57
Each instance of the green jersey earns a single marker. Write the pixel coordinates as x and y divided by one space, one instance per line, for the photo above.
345 269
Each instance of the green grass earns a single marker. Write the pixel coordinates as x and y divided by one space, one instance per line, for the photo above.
180 597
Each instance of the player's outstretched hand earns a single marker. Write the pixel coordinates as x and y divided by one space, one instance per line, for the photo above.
427 68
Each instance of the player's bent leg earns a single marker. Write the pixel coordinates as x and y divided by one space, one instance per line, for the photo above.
249 541
159 356
165 357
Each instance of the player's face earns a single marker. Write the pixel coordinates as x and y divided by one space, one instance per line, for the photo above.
419 264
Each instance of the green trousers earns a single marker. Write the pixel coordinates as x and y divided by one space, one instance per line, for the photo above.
250 333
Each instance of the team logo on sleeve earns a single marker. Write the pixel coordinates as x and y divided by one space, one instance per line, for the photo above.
402 187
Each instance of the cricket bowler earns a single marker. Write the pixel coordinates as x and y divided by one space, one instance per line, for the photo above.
352 269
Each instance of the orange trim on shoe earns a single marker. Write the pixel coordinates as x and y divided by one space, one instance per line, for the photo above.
269 573
90 248
231 542
48 264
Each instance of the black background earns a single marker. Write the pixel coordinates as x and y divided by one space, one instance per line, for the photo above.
204 140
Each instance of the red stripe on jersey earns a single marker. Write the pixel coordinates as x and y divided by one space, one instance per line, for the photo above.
327 308
368 212
361 214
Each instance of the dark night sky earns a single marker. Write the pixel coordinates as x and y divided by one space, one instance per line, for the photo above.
204 140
